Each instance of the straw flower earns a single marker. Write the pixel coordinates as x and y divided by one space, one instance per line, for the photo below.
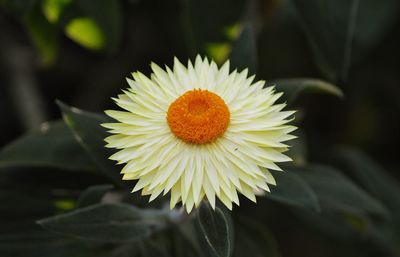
199 132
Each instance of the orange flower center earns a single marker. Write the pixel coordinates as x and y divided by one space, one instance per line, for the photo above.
198 116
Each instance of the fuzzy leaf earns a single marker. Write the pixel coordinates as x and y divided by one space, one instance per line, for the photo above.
337 193
43 34
291 189
293 88
51 145
93 195
255 239
87 130
244 53
372 178
342 30
215 226
105 223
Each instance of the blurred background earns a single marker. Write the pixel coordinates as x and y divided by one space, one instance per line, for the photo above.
80 51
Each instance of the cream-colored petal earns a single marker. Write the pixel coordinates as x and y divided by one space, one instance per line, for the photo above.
182 76
238 161
248 192
198 174
225 200
162 79
175 195
209 191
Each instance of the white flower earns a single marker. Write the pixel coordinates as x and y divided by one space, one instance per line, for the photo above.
199 131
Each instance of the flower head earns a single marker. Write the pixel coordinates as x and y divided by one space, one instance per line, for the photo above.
199 132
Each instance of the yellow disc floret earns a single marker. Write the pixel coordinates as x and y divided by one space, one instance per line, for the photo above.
198 116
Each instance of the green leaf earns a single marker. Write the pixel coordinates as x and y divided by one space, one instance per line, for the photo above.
215 226
182 247
340 30
53 9
106 223
293 88
347 226
372 178
298 148
93 195
36 242
157 246
374 21
255 239
337 193
87 130
188 241
326 22
33 193
94 24
244 49
202 30
292 190
51 145
218 52
86 32
43 34
344 227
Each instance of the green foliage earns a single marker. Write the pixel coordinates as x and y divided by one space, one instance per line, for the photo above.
307 191
85 32
62 197
93 195
53 9
335 27
217 229
373 179
371 176
44 35
106 223
95 25
244 53
200 30
46 147
254 239
337 193
292 88
293 190
87 130
327 22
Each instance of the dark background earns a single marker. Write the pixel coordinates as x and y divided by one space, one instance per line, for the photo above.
353 44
